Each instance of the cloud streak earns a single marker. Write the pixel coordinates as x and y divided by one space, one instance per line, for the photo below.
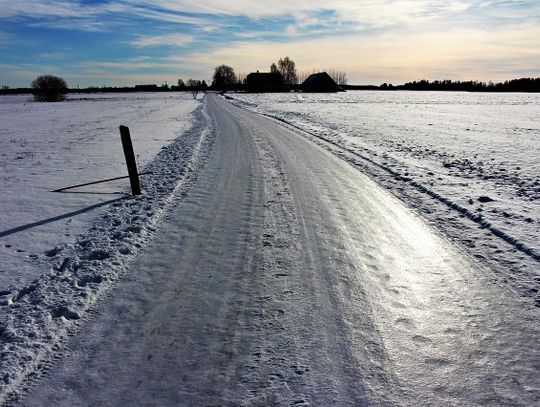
178 40
40 8
375 13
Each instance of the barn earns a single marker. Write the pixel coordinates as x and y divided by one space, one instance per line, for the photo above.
320 82
258 82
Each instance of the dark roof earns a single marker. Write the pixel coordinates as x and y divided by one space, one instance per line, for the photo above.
264 77
266 82
320 82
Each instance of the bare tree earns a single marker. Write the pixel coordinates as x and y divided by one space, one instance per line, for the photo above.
303 75
194 87
240 78
49 88
274 68
181 83
339 76
342 78
287 68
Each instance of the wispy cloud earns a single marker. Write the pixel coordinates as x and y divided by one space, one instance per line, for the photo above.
386 40
321 14
71 24
136 64
374 9
41 8
178 40
76 15
169 16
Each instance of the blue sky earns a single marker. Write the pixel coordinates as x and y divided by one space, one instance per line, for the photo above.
126 42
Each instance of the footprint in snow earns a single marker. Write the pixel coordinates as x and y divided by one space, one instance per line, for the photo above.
98 255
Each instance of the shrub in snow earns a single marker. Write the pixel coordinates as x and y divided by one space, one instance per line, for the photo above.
49 88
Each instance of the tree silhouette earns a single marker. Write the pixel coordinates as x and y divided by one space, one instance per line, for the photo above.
274 68
303 75
240 78
224 77
49 88
194 87
339 76
514 85
287 68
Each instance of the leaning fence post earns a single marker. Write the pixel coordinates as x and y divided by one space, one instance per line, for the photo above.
130 161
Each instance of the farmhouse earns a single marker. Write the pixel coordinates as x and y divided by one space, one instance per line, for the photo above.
258 82
320 82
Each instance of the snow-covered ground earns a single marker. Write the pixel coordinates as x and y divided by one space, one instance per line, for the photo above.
269 230
281 276
62 252
468 162
45 146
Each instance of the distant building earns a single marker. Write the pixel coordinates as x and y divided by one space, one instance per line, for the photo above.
258 82
320 82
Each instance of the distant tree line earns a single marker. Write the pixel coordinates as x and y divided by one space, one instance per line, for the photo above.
51 88
513 85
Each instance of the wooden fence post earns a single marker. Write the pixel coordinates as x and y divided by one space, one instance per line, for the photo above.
130 161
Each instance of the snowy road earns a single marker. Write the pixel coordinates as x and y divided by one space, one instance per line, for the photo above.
287 277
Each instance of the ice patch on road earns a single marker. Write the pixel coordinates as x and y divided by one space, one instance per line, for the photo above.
473 223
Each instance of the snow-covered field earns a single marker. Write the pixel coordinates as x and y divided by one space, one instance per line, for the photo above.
62 252
281 275
467 161
45 146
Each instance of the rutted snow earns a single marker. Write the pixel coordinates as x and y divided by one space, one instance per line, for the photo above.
37 316
475 153
45 146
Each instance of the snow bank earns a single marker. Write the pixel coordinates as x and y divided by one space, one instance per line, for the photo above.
467 162
37 316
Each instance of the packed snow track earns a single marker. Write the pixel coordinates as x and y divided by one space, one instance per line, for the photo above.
287 277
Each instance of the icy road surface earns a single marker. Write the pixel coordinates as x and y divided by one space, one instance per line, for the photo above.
287 277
